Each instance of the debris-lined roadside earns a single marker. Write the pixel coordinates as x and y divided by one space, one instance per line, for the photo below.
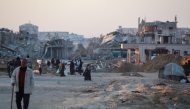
159 62
107 90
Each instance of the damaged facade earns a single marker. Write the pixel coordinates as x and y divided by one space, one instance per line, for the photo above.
112 41
58 34
156 38
157 32
27 42
58 44
28 27
20 43
151 39
58 48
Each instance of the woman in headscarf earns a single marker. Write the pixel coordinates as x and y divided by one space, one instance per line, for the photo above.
80 67
17 62
87 75
62 68
72 68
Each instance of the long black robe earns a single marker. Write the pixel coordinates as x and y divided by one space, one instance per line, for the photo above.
87 75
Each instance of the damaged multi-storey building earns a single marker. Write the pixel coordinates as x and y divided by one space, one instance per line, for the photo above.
21 43
58 48
58 44
6 37
150 40
112 41
26 42
154 38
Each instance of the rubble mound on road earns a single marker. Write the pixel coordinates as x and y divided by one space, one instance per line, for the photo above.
118 66
131 74
159 62
45 68
126 67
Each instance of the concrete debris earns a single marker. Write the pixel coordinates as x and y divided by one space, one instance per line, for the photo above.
131 74
159 62
19 50
113 65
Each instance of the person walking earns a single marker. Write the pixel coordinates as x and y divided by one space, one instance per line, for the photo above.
87 73
52 62
40 68
80 67
48 63
57 62
29 62
72 68
23 80
17 62
11 67
62 69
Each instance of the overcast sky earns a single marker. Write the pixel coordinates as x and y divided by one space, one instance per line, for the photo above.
90 17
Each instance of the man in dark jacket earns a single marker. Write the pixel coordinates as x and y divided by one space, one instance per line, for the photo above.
10 67
57 63
23 81
17 62
80 67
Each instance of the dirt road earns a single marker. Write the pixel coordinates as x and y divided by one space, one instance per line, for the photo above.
106 90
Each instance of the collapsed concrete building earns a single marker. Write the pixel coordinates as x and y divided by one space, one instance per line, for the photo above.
28 27
59 34
58 48
154 38
157 32
17 44
112 41
151 39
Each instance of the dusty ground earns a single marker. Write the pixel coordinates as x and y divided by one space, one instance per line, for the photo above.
106 90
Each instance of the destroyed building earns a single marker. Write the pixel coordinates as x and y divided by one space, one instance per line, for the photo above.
58 44
151 39
157 31
120 36
6 37
65 35
58 48
156 38
25 37
130 31
112 41
28 27
46 45
20 43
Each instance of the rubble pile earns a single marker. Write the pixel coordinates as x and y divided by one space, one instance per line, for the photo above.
45 68
124 67
3 66
118 65
131 74
159 62
105 65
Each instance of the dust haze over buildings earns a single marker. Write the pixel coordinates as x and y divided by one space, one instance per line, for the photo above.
90 18
57 22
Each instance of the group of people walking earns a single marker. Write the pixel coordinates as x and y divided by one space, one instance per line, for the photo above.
77 65
22 78
13 64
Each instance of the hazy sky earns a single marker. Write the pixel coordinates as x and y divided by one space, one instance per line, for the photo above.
90 17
